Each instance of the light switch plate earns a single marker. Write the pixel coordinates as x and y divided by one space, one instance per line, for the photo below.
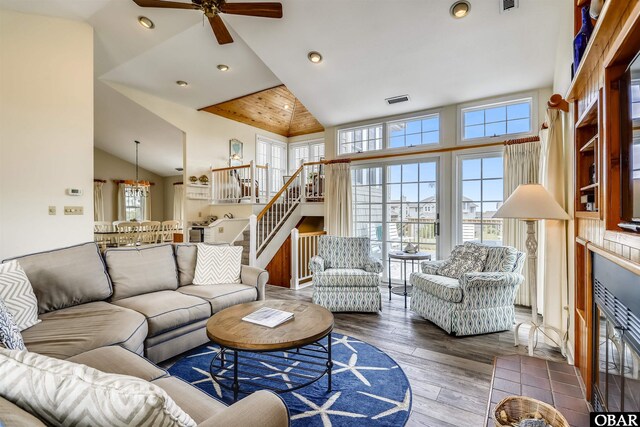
73 210
52 210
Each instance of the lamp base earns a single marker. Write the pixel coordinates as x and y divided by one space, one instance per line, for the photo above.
534 327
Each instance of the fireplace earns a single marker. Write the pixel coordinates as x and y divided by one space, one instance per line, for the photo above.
616 337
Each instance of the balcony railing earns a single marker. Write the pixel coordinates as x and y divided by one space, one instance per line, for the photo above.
241 184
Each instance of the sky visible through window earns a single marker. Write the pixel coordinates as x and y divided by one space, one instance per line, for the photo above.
497 120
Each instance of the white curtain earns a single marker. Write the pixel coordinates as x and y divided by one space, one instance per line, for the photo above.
521 166
98 201
122 212
178 201
338 209
552 243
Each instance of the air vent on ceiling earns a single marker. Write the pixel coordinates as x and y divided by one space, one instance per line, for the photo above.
508 5
397 99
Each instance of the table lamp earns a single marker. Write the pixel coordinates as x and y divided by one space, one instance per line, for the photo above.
531 203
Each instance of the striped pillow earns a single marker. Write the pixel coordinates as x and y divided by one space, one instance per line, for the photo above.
69 394
218 264
17 294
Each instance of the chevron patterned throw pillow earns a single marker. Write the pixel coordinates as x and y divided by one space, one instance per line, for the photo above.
217 264
17 294
63 393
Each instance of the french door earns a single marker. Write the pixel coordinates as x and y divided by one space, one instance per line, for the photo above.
396 204
273 153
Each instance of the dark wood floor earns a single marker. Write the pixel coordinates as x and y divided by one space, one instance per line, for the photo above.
450 377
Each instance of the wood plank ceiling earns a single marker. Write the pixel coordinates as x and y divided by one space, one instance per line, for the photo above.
276 110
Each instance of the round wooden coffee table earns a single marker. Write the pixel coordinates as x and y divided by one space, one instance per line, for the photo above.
310 359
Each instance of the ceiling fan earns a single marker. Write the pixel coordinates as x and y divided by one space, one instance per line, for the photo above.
213 8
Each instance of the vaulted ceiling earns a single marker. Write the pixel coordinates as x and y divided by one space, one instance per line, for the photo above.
372 49
276 110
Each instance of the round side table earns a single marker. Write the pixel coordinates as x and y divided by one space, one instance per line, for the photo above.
404 257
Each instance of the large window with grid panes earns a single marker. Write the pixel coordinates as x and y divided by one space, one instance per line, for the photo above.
303 152
512 117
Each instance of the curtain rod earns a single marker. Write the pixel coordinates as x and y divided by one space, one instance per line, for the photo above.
126 181
100 180
178 183
522 140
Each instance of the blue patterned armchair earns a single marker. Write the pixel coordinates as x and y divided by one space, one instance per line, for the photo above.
345 276
476 303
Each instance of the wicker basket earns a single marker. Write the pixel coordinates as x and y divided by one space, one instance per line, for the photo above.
518 407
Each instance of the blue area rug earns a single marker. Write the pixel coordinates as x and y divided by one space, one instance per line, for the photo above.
369 388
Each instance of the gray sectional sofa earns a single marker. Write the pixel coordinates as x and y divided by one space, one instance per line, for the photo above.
121 310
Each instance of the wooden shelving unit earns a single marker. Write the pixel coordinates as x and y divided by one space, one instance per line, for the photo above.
587 160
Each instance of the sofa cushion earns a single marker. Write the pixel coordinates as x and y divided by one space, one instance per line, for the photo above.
195 402
443 287
346 277
186 256
344 252
222 296
501 259
471 259
65 393
137 271
66 277
10 336
218 264
14 416
167 310
118 360
18 296
74 330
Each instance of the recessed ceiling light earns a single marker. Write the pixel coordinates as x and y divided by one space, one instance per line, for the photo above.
223 67
286 106
460 9
146 22
314 57
182 83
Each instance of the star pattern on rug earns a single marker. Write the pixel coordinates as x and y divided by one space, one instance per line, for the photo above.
324 411
213 351
346 342
352 367
283 374
209 379
398 406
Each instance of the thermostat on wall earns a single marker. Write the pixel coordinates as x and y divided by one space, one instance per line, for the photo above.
74 192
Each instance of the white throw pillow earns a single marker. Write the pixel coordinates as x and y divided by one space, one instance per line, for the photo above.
17 294
69 394
217 264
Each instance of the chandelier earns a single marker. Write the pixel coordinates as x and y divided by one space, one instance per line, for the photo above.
138 189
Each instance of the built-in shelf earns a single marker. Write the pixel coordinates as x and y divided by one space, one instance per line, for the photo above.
589 187
198 185
589 115
198 192
588 214
590 145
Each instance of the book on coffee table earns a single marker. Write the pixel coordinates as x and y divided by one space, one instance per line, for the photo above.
269 317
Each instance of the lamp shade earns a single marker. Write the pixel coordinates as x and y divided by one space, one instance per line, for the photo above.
532 202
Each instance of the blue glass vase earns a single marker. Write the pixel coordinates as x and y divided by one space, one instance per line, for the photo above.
582 38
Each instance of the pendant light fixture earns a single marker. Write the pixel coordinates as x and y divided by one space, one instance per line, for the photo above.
138 189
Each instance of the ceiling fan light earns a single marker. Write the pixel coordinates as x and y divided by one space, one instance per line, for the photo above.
146 22
223 67
182 83
315 57
460 9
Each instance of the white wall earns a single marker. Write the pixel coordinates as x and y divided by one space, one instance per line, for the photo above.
46 131
109 167
206 139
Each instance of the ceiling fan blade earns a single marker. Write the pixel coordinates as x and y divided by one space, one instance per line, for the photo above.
265 10
166 4
220 30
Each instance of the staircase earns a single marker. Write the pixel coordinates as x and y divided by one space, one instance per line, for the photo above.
245 242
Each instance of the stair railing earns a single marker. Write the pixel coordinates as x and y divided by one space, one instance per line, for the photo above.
245 183
304 246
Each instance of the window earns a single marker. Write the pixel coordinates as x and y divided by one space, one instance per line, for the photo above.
481 196
367 206
133 205
361 139
417 131
505 118
273 153
635 99
301 152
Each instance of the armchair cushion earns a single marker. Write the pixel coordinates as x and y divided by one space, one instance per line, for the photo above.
470 258
443 287
316 264
374 265
431 267
476 280
344 252
346 277
501 258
